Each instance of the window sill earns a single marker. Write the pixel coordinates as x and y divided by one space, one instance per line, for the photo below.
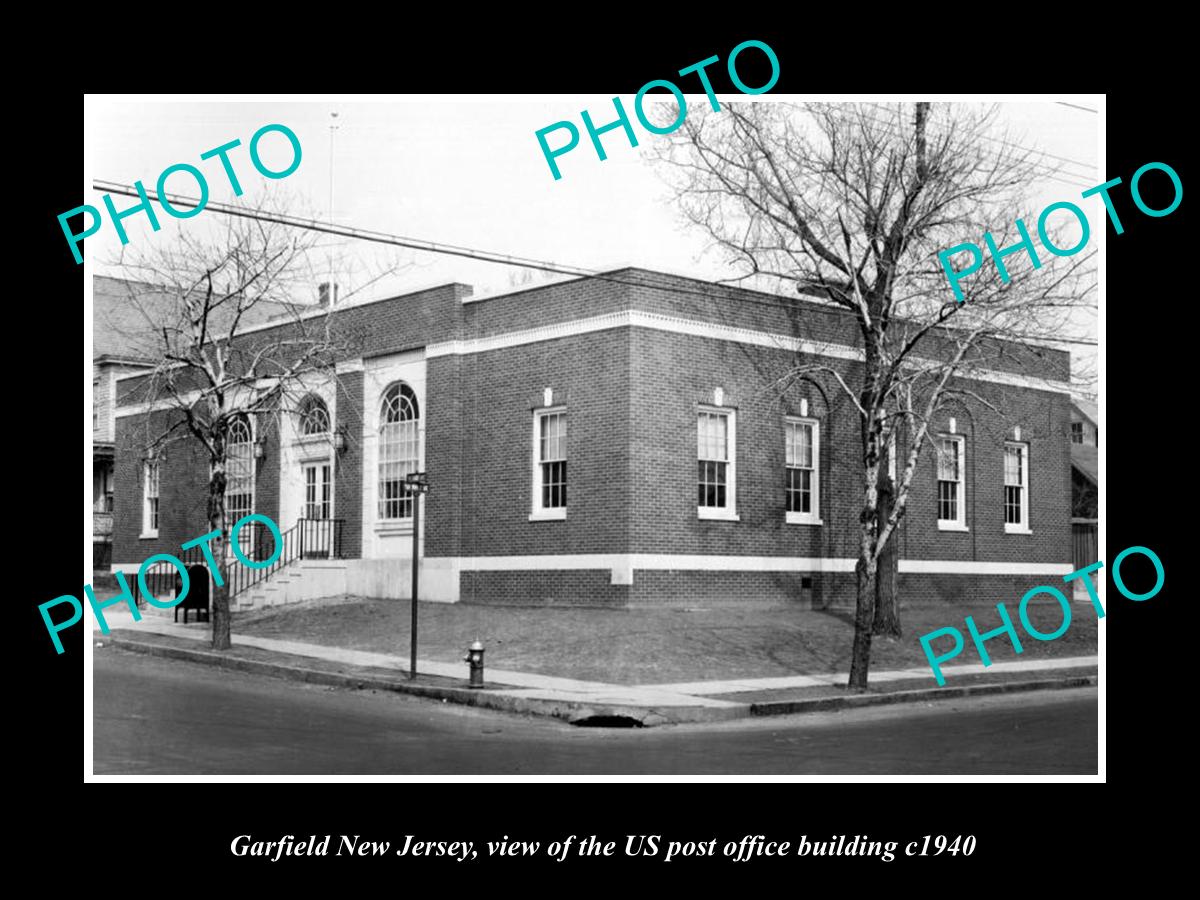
549 515
1017 529
718 515
147 535
803 519
952 526
402 526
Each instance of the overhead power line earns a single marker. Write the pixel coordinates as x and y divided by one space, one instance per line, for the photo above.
1043 171
1046 170
997 140
381 237
1071 178
1077 106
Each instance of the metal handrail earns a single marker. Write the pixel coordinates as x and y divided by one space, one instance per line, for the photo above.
307 539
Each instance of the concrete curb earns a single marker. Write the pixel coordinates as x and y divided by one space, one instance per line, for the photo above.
578 713
571 711
855 701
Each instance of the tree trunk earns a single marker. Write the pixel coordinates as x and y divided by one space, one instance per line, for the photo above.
220 596
220 610
860 655
887 608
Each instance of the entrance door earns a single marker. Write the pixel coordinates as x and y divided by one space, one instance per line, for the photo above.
317 526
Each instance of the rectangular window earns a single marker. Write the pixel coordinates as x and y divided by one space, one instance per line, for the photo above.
316 491
1076 432
802 483
239 484
716 464
549 464
1016 488
239 490
150 499
399 455
951 488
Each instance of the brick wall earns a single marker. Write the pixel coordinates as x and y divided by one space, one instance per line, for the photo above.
368 329
348 475
583 587
446 431
589 375
631 396
734 307
266 470
674 375
1042 418
183 491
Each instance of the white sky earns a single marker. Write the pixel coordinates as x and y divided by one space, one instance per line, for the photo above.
470 172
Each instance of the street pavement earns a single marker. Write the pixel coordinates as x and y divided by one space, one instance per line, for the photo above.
522 685
157 716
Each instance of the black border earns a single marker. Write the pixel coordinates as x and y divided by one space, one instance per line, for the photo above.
1146 402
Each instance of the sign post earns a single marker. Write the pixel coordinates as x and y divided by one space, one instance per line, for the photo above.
417 485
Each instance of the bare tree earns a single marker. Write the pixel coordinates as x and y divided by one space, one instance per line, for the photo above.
848 205
193 308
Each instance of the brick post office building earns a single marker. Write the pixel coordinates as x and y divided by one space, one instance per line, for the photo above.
615 440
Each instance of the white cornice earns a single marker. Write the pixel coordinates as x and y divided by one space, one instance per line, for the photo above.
696 328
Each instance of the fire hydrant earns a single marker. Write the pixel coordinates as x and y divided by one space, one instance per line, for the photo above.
474 659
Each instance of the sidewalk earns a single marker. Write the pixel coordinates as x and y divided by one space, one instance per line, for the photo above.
580 700
656 645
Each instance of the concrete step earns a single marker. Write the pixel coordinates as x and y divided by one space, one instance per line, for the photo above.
302 579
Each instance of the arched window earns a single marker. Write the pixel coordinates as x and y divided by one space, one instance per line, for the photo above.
399 424
314 416
239 472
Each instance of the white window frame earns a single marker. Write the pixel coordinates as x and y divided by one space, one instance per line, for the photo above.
959 523
400 522
303 417
538 512
1023 526
813 517
319 500
148 466
247 535
728 512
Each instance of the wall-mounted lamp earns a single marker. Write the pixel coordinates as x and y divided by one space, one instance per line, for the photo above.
260 448
339 439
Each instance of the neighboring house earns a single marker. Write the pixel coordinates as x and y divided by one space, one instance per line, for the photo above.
1085 430
602 443
114 353
123 343
105 369
1085 481
1085 462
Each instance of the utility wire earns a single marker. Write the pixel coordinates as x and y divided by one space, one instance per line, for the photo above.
1076 106
1044 170
991 138
1071 178
380 237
